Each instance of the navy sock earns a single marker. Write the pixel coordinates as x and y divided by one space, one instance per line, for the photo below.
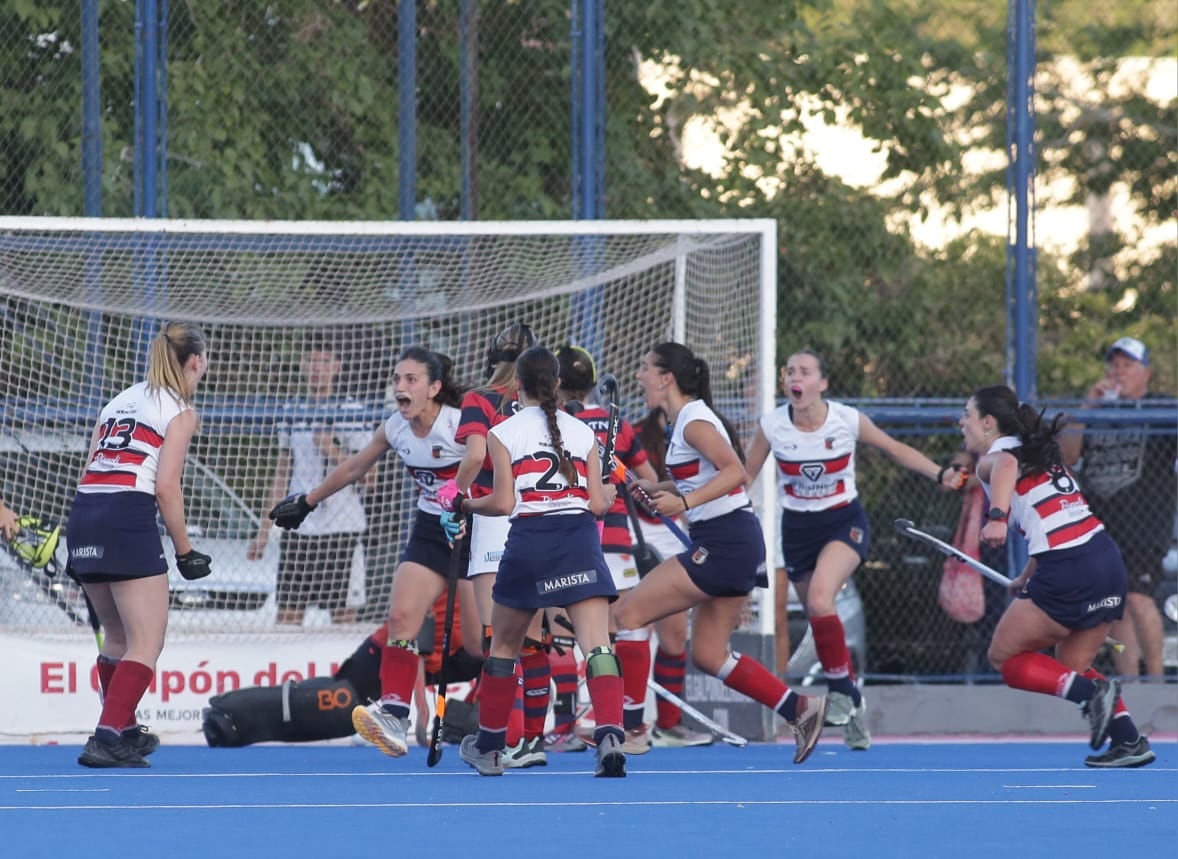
1122 730
1081 689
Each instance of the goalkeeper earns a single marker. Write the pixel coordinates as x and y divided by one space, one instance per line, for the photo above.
422 432
136 459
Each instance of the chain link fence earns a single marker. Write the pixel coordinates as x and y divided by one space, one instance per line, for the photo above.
874 133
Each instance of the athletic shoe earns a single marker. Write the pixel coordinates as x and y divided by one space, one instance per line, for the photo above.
106 754
487 763
1135 754
141 740
387 732
525 753
611 760
1098 710
679 736
637 740
842 712
807 727
564 741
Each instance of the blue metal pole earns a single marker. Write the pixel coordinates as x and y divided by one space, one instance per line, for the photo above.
588 161
468 18
149 104
91 113
162 107
407 109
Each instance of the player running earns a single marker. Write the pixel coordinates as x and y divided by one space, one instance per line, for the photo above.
1074 583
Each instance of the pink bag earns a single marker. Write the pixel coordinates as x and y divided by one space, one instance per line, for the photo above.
960 593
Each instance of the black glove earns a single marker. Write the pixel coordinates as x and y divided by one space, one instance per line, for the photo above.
290 512
194 565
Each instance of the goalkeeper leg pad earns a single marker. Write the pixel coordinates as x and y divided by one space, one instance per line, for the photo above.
319 708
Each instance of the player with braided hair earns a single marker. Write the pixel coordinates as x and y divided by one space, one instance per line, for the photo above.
422 433
716 574
1074 583
549 461
483 409
133 470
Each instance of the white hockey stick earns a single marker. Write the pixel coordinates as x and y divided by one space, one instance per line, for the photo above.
717 729
909 529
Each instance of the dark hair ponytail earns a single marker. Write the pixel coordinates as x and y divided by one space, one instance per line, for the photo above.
439 368
1039 439
694 379
537 370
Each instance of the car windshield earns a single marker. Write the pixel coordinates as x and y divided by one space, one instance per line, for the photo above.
43 483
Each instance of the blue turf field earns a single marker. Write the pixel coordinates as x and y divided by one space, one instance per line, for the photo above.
898 799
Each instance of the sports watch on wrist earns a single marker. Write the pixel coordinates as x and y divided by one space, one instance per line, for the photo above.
997 514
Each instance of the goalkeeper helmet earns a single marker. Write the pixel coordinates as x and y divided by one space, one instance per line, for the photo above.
509 344
36 543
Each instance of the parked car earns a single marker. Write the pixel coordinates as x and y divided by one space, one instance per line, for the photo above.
40 471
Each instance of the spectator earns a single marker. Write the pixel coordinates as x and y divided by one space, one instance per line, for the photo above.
315 564
1128 477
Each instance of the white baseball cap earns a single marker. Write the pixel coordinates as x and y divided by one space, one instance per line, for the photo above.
1132 347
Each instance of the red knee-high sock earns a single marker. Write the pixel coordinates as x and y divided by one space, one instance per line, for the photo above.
564 677
127 685
537 690
398 674
670 672
1038 672
605 693
105 667
749 677
830 640
515 720
497 697
634 657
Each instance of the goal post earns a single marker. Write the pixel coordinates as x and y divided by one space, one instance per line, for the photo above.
81 298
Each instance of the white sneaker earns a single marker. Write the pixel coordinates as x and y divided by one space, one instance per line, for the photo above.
679 736
524 754
637 740
387 732
839 708
855 733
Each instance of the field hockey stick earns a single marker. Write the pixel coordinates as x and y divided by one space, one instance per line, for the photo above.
716 728
609 387
627 476
909 529
435 742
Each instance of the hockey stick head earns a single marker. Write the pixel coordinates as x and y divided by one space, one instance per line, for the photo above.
903 525
609 387
35 544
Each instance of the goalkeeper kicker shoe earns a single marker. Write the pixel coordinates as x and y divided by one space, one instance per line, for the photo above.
808 724
387 732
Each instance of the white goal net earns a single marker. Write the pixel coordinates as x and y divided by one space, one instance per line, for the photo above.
81 299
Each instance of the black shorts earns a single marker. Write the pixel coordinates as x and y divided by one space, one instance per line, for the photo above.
1144 568
315 570
114 536
428 546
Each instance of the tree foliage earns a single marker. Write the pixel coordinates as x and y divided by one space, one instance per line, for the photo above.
290 110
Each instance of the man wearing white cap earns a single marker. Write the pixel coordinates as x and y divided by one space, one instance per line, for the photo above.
1127 474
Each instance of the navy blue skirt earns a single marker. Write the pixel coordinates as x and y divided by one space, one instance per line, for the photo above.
428 546
805 535
552 560
727 554
1080 587
115 536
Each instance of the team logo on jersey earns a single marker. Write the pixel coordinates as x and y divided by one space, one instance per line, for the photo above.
828 442
699 556
437 451
813 470
856 535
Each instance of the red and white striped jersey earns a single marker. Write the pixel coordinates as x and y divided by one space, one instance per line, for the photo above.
482 409
690 469
431 460
131 432
815 469
540 488
1048 508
